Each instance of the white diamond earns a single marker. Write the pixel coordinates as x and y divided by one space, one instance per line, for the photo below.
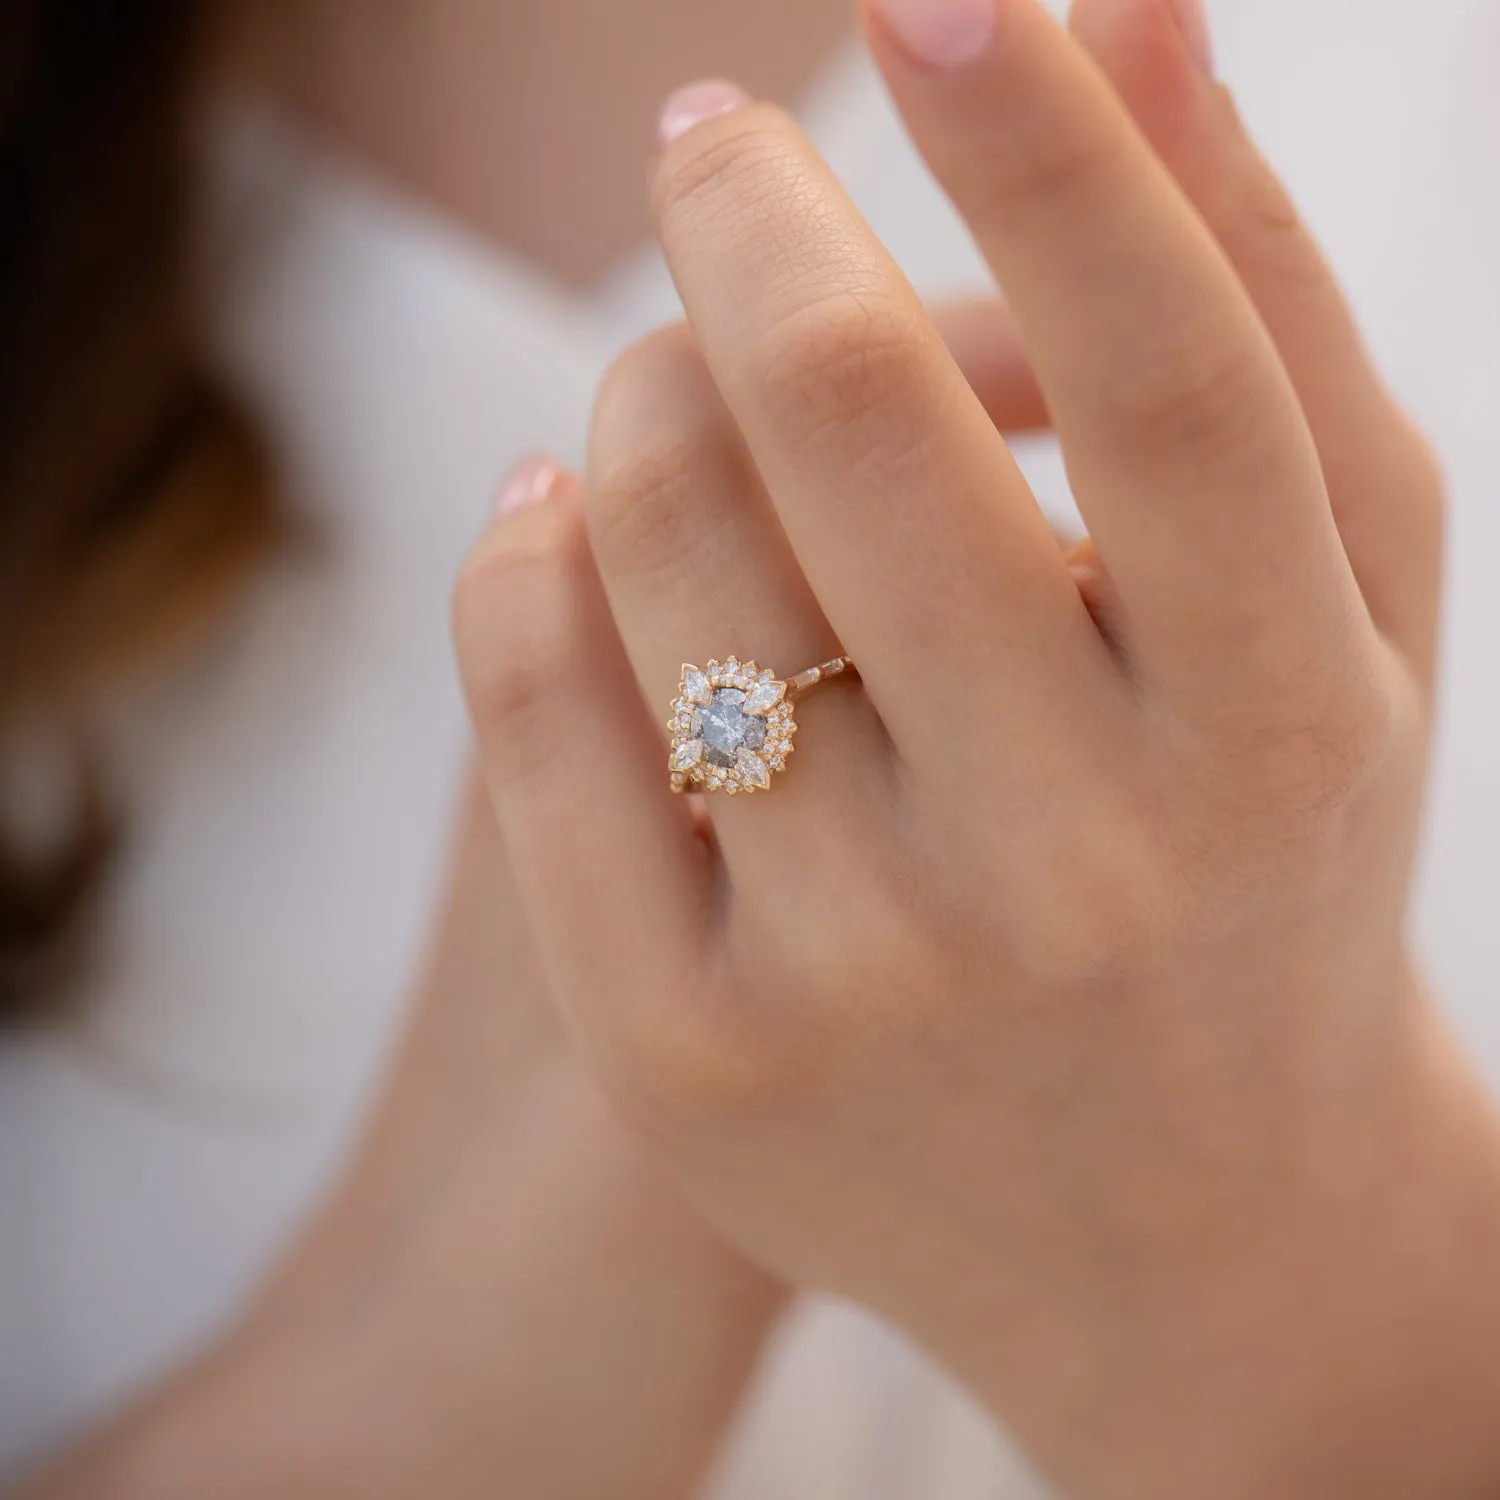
687 755
753 769
695 686
764 697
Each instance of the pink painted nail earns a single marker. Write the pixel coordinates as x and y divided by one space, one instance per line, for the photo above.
530 481
696 103
940 33
1192 21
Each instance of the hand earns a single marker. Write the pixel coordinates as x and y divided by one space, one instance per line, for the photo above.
504 1271
1057 1003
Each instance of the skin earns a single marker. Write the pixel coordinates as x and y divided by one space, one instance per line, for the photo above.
505 1266
1057 1002
435 94
503 1270
429 1337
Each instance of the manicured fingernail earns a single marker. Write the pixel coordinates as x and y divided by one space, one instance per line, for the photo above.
1192 21
940 33
696 103
530 481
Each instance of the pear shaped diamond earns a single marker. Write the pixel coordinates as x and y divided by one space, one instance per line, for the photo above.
695 686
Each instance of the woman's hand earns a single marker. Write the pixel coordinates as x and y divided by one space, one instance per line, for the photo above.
507 1297
1056 1003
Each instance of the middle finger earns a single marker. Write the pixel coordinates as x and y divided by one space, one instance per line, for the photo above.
915 529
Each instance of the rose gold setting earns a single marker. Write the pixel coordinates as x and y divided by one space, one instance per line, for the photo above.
766 697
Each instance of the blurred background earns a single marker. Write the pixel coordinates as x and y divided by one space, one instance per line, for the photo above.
363 270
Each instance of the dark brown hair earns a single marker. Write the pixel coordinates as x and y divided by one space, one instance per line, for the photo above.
132 492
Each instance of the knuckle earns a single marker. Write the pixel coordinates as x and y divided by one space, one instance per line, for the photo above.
1324 746
1425 483
1200 397
646 510
1247 194
647 514
1272 235
1272 216
1098 912
514 625
1097 947
893 953
844 366
1337 751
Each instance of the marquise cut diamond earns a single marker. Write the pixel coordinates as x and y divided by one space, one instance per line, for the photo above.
764 696
753 769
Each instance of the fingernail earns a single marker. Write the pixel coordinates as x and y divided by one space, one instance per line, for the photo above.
1192 21
530 481
940 33
696 103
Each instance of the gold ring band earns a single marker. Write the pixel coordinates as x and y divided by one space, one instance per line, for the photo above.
732 724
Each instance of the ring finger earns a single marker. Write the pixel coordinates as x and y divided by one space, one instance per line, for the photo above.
697 567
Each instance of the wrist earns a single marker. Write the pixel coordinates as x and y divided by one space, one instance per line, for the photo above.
1348 1344
556 1282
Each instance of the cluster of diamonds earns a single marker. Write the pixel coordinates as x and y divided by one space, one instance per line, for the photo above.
731 728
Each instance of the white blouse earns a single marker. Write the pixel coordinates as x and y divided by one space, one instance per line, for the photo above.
293 791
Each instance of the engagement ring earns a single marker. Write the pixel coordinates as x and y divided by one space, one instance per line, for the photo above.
732 725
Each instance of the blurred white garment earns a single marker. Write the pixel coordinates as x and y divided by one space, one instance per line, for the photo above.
292 794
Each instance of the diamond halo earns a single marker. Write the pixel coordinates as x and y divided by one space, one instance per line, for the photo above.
732 728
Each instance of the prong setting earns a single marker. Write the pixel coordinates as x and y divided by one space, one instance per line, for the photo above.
732 728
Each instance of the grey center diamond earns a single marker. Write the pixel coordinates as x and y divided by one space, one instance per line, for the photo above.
725 728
